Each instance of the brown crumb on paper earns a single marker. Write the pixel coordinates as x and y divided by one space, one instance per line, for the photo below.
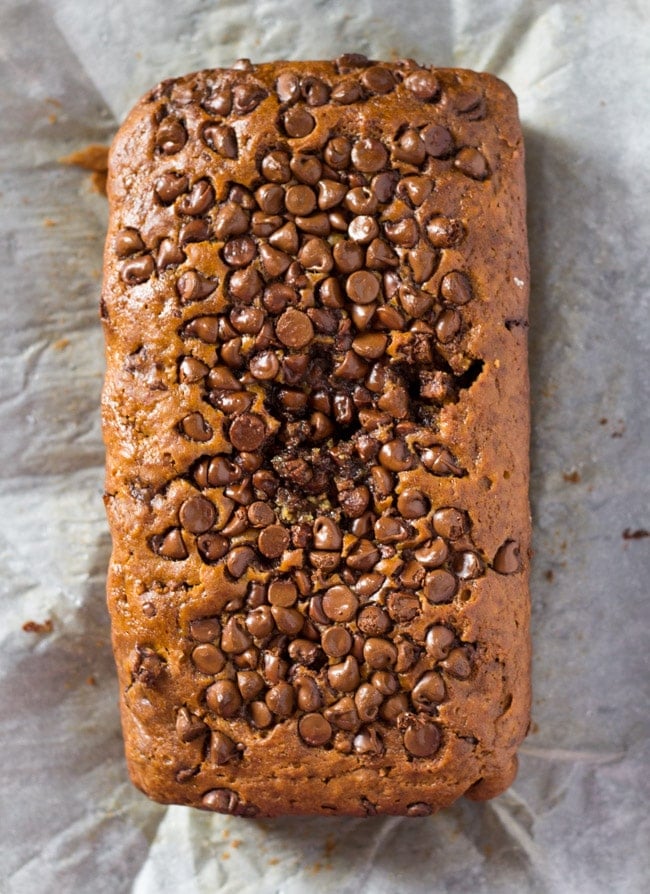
93 158
36 627
629 534
571 477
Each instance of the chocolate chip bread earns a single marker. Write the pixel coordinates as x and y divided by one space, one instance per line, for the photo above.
316 420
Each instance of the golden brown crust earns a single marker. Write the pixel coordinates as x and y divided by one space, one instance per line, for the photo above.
165 266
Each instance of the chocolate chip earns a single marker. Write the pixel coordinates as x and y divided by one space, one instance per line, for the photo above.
507 559
344 677
367 700
471 163
287 86
327 534
438 142
316 255
170 186
395 456
294 328
314 729
422 739
191 370
440 461
361 200
340 603
239 252
273 541
205 630
368 741
223 698
369 155
439 586
456 287
270 198
415 190
286 237
275 166
410 148
423 85
260 715
212 547
171 136
274 262
402 232
379 255
192 286
379 653
230 220
315 91
394 707
343 714
169 255
403 607
259 622
300 199
208 658
350 61
422 261
308 694
247 432
137 270
221 138
283 593
390 530
458 664
336 642
433 553
189 727
428 692
199 200
246 98
330 194
280 699
197 514
373 620
306 168
239 559
347 92
355 501
337 153
439 640
412 504
219 102
362 287
194 427
467 565
448 325
196 230
378 79
127 242
348 256
445 232
450 523
363 229
222 748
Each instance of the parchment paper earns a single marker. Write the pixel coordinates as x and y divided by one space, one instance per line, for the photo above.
577 818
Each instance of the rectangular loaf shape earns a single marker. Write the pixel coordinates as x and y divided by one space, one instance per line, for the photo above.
316 419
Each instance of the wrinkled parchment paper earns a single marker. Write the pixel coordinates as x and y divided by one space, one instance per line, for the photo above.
576 820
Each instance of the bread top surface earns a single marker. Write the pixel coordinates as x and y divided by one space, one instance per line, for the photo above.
316 418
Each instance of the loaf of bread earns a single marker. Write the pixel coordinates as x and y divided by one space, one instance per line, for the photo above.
316 419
